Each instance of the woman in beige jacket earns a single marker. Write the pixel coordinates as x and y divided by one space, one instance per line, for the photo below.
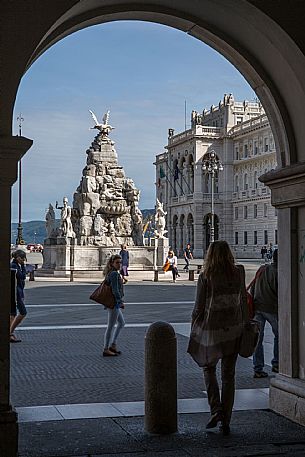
217 321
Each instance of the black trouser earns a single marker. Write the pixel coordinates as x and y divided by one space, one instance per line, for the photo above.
174 271
187 263
225 403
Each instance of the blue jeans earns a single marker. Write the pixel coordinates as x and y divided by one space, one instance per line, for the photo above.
258 356
115 315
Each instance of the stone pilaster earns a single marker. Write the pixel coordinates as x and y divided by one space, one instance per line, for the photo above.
11 151
287 391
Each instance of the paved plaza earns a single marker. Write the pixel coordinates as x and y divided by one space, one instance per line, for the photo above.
73 402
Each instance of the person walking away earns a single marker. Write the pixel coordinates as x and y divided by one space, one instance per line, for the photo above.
188 255
219 314
265 299
264 252
116 320
270 252
125 262
18 266
173 264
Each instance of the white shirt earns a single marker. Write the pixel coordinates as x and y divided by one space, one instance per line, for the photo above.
172 260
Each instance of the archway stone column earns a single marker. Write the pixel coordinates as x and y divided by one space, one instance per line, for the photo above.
11 151
287 389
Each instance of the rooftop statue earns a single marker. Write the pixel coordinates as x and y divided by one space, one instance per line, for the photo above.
103 126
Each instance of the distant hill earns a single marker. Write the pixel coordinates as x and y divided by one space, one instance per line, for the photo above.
35 231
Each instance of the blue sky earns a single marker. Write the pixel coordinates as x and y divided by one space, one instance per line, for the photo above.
142 73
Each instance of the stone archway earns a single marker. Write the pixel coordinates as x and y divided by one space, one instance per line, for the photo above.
238 29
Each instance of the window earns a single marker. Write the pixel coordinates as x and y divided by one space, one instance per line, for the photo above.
245 237
245 212
246 182
245 150
236 153
239 120
255 237
265 237
275 237
255 211
265 210
236 212
266 144
255 180
236 237
236 184
255 147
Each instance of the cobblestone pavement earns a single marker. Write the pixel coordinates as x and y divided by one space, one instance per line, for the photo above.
65 365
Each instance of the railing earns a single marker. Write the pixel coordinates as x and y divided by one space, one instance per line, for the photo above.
203 130
251 193
182 198
253 123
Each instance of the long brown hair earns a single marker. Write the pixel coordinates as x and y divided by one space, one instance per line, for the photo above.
219 260
109 264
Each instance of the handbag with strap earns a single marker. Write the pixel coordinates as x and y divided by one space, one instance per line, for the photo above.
103 295
166 266
249 338
251 328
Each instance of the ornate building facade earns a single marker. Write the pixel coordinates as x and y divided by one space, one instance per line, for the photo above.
240 135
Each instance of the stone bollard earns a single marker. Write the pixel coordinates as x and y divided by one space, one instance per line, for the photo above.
71 275
160 379
156 276
191 275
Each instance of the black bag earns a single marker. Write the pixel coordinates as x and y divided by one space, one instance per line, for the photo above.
249 338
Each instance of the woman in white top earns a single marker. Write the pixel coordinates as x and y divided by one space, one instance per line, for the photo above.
172 260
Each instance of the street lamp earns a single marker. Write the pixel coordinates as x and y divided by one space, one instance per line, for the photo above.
211 164
20 239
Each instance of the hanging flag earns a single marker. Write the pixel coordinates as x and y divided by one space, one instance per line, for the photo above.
176 173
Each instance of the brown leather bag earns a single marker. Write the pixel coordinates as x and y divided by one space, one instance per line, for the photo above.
103 295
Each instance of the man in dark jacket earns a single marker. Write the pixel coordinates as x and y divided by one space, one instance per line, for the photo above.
265 293
18 270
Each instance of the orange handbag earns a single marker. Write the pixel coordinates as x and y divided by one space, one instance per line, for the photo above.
166 266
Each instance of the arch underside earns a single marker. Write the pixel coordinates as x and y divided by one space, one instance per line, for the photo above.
242 33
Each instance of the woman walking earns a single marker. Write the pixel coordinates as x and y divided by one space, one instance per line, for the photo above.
173 263
217 320
125 262
115 315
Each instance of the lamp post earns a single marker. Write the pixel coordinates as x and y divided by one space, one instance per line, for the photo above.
211 164
19 239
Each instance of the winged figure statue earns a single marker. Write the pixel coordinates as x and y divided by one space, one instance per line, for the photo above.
103 126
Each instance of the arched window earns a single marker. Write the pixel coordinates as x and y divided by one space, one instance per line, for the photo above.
182 234
174 239
190 229
236 186
190 174
255 180
245 181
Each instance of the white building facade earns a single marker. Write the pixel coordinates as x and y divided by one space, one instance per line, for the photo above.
240 135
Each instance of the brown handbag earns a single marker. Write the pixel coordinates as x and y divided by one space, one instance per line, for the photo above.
103 295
